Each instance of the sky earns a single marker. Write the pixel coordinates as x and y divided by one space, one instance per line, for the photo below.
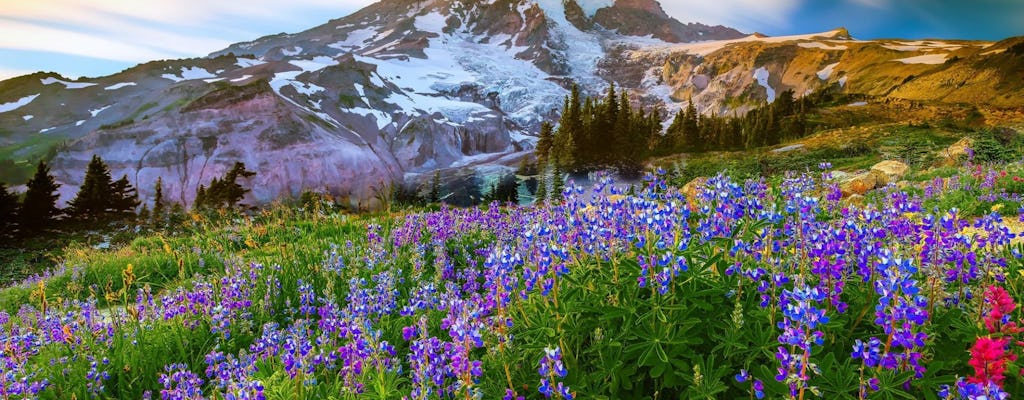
89 38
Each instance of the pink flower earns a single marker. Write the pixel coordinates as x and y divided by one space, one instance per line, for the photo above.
989 358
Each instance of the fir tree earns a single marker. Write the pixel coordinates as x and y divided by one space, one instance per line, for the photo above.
435 188
557 183
94 196
541 196
545 141
124 199
39 207
200 202
227 191
8 211
158 202
690 130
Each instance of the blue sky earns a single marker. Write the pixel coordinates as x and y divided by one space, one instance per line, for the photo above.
100 37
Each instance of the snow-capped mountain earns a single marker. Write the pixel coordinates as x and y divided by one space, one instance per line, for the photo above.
403 87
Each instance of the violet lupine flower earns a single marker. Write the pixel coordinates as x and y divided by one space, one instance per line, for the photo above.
551 372
756 386
233 375
964 390
96 375
307 299
901 312
801 317
297 352
180 383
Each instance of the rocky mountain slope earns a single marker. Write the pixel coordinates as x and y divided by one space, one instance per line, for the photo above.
403 87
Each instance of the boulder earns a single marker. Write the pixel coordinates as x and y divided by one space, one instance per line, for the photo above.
889 171
858 184
955 153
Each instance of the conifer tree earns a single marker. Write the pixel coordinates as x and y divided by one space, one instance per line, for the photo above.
158 201
690 130
200 202
8 211
124 199
545 141
39 207
93 200
557 183
435 188
541 196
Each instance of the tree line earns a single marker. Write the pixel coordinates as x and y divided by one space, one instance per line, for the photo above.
102 202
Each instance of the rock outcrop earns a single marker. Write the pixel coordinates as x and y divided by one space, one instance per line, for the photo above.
889 171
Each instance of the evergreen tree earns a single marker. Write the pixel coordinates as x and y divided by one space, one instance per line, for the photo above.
39 207
507 189
94 197
158 202
541 196
124 199
8 211
557 183
690 130
200 202
232 192
435 188
544 142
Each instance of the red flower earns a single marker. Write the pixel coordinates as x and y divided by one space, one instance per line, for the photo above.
998 305
989 358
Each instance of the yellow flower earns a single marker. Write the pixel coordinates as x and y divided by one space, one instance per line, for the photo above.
997 207
68 336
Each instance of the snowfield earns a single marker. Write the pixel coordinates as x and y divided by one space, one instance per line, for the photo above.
188 74
14 105
69 85
924 59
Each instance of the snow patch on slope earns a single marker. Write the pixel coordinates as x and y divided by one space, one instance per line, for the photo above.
316 64
188 74
14 105
925 59
382 118
119 85
355 39
69 85
27 117
820 45
242 62
590 7
761 74
432 22
99 110
586 48
703 49
826 72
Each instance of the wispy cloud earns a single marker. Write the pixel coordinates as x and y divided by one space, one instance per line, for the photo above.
138 31
745 15
872 3
6 73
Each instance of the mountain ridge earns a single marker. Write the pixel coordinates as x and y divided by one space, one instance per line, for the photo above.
400 88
